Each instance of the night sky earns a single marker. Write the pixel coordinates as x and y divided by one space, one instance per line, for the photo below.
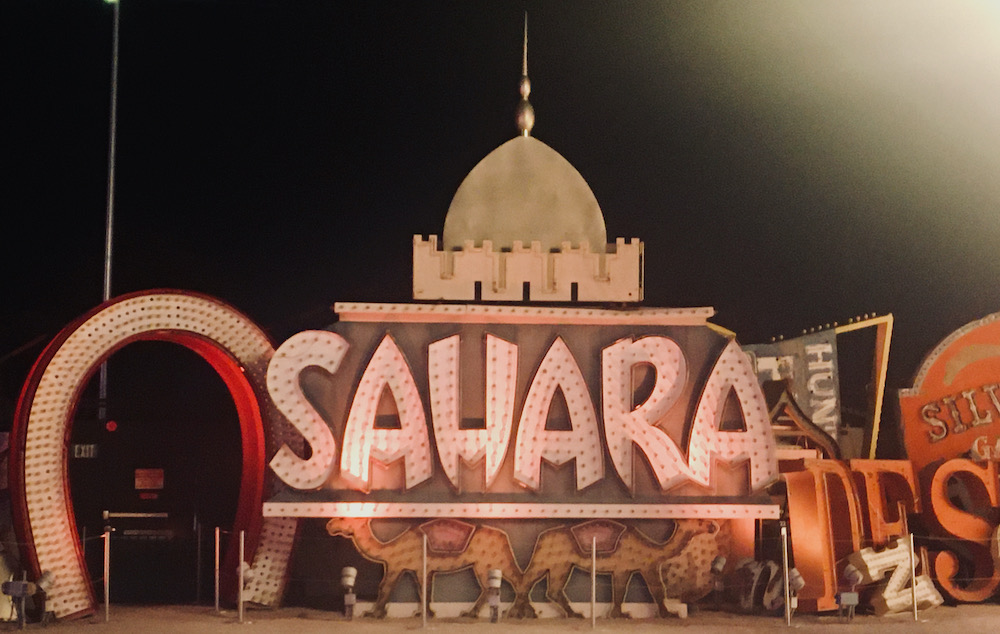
791 163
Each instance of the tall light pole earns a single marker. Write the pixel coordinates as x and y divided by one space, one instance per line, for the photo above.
102 395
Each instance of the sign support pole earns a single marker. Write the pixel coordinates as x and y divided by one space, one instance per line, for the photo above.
784 566
423 595
593 582
197 569
239 598
107 576
913 580
216 569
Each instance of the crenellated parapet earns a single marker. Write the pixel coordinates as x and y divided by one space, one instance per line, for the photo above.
478 273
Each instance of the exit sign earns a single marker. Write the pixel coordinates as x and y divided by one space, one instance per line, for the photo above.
84 450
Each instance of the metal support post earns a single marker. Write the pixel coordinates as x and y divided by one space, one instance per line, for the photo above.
423 595
784 567
197 568
239 598
107 576
593 582
216 568
913 580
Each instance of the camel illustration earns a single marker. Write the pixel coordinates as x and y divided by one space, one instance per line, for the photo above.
685 558
452 545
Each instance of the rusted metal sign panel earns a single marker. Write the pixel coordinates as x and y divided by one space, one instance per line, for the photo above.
953 408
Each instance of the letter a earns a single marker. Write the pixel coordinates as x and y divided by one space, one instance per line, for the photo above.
363 441
583 443
733 373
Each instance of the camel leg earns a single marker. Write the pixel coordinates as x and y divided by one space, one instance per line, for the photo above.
652 578
665 606
522 608
477 607
556 592
482 576
619 584
389 579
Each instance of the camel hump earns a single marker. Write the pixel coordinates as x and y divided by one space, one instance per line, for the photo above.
447 536
607 534
692 527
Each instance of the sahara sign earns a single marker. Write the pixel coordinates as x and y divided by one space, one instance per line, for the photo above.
419 410
416 411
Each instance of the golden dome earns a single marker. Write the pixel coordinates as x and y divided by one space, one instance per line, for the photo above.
524 190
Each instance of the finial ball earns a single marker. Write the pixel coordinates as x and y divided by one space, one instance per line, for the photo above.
525 117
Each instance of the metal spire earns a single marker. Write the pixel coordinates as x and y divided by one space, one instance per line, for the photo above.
525 113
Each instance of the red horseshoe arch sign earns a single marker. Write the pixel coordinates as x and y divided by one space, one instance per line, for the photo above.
43 516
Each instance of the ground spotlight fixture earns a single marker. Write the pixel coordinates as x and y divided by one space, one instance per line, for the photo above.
248 573
852 576
347 578
46 581
19 591
718 564
848 601
795 580
493 580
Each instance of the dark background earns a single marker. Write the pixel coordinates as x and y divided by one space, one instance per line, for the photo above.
791 163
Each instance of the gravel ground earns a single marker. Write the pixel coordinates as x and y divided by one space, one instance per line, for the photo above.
969 619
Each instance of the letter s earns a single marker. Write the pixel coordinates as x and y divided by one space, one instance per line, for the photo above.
318 348
966 526
939 429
